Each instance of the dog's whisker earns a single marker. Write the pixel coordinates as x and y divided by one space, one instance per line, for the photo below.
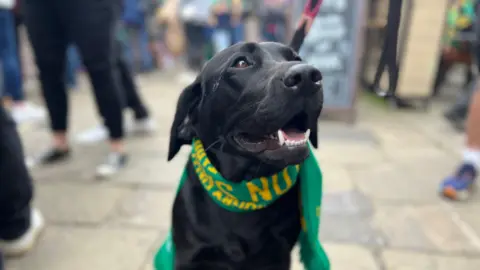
213 144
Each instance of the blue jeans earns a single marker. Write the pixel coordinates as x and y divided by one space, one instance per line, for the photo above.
73 64
12 77
224 34
138 39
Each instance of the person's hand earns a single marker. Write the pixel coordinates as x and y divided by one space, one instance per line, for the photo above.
167 13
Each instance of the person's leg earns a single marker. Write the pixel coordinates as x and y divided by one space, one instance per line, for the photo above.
20 225
238 33
443 67
222 34
460 184
49 44
10 64
95 37
22 111
457 113
18 23
146 53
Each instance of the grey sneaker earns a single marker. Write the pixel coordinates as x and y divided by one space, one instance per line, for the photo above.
113 163
27 241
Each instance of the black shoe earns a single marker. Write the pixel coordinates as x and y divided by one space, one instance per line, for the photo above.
53 155
456 120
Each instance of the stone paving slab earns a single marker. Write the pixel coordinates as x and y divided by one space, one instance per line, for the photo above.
84 204
427 228
344 257
78 248
401 260
145 208
380 211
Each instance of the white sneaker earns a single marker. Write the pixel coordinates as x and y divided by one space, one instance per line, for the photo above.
113 163
27 112
92 135
28 240
142 126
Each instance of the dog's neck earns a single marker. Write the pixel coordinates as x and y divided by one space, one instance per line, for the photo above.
237 168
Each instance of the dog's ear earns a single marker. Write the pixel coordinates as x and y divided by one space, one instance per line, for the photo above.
182 131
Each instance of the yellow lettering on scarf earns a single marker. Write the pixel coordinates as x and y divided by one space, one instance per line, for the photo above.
201 155
264 191
286 178
235 203
242 205
217 194
227 200
225 188
250 205
304 224
206 180
276 187
212 169
198 147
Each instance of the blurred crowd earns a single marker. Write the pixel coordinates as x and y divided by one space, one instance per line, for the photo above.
154 34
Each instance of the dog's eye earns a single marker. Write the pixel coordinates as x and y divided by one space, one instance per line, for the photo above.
241 63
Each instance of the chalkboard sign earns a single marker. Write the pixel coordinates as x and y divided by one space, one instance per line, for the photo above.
332 46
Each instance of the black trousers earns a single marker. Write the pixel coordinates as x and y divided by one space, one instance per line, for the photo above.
16 189
134 101
196 42
91 26
388 58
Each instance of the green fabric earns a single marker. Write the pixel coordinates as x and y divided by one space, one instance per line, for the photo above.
312 254
247 195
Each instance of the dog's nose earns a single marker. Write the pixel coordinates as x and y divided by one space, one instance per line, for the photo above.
302 76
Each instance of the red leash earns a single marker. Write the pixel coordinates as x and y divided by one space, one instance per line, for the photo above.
305 23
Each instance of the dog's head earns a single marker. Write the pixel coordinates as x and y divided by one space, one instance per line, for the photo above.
257 100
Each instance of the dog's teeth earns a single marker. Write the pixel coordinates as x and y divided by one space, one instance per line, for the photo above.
281 139
307 134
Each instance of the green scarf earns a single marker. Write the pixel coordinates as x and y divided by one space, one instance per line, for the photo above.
257 194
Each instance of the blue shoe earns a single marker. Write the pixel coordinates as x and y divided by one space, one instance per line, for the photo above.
460 185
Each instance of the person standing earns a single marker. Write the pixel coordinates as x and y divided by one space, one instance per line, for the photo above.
20 223
135 23
227 21
91 26
13 96
275 19
459 185
194 15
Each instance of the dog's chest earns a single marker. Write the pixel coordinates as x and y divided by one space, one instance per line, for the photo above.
206 232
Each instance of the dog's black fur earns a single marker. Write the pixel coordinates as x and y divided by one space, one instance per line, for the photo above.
245 92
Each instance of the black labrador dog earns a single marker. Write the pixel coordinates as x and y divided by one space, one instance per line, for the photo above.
253 106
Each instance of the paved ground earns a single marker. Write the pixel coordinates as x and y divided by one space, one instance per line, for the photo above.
381 209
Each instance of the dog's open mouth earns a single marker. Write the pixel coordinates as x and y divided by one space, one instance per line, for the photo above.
294 134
